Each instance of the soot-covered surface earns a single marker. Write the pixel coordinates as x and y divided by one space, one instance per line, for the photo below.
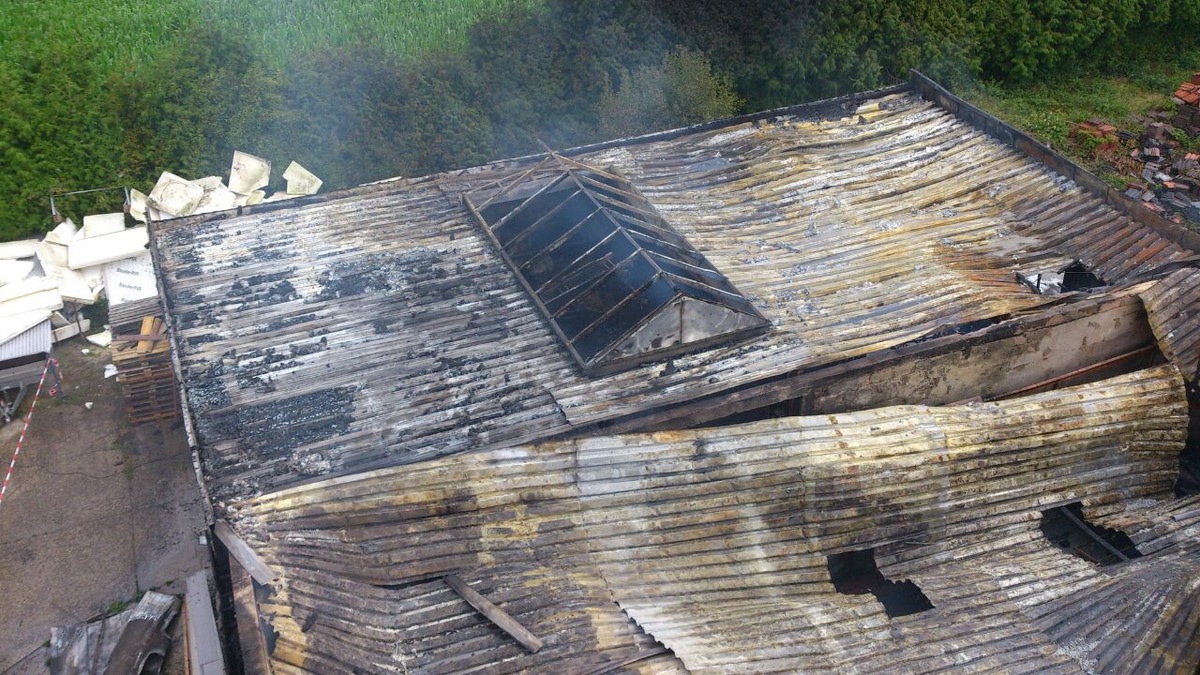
385 313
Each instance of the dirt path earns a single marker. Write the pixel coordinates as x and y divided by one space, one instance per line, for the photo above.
96 513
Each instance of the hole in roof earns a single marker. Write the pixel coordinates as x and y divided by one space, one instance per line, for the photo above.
1073 277
1077 277
618 285
855 573
1067 529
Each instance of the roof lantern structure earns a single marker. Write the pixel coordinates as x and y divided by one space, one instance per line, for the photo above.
618 285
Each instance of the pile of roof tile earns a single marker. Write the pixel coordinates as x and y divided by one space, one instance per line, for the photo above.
1170 178
1187 96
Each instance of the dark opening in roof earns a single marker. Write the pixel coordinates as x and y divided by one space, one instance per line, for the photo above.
1068 529
855 573
618 285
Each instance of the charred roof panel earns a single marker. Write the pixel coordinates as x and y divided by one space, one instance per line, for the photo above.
615 281
714 543
1171 306
850 237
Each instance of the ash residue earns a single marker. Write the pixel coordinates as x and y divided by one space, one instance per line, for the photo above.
280 324
185 243
205 338
196 319
255 367
263 252
313 464
381 273
264 290
206 386
245 286
201 316
271 429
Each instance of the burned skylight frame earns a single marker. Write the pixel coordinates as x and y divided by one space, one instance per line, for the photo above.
615 282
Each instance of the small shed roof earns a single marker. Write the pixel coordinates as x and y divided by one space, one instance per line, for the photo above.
28 334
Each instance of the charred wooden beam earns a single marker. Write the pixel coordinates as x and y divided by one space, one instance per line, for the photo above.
494 614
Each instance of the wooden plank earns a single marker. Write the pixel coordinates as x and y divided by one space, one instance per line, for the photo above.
494 614
245 555
204 646
140 337
147 327
245 607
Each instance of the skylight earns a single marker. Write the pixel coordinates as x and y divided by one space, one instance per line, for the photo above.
617 284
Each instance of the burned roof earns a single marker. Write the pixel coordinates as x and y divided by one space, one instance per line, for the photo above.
711 550
1173 306
380 325
614 280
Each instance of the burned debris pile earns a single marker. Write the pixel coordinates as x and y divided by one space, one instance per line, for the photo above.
1168 176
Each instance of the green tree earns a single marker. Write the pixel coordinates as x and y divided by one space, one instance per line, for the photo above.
189 110
57 133
681 90
353 116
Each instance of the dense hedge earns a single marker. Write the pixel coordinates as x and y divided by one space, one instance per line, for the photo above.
566 73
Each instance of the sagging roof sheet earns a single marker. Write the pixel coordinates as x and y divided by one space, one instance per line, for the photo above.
1173 308
713 544
616 282
378 326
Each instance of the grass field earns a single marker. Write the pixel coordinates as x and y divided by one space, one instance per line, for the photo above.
1047 109
127 33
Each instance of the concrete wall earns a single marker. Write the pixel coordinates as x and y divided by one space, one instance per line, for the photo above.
989 363
994 368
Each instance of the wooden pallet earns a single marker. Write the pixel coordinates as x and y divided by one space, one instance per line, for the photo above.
144 369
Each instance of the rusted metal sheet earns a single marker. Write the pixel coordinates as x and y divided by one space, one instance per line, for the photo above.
376 326
713 543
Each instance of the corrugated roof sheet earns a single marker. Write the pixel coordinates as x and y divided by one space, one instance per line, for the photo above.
1173 308
38 339
378 326
714 543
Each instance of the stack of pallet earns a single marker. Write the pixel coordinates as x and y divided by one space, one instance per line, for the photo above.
142 355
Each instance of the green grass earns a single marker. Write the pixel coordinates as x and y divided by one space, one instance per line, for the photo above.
126 33
1047 109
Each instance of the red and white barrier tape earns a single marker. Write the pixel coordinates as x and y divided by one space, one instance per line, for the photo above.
13 464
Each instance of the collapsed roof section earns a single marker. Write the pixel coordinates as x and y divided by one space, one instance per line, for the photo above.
707 550
616 282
